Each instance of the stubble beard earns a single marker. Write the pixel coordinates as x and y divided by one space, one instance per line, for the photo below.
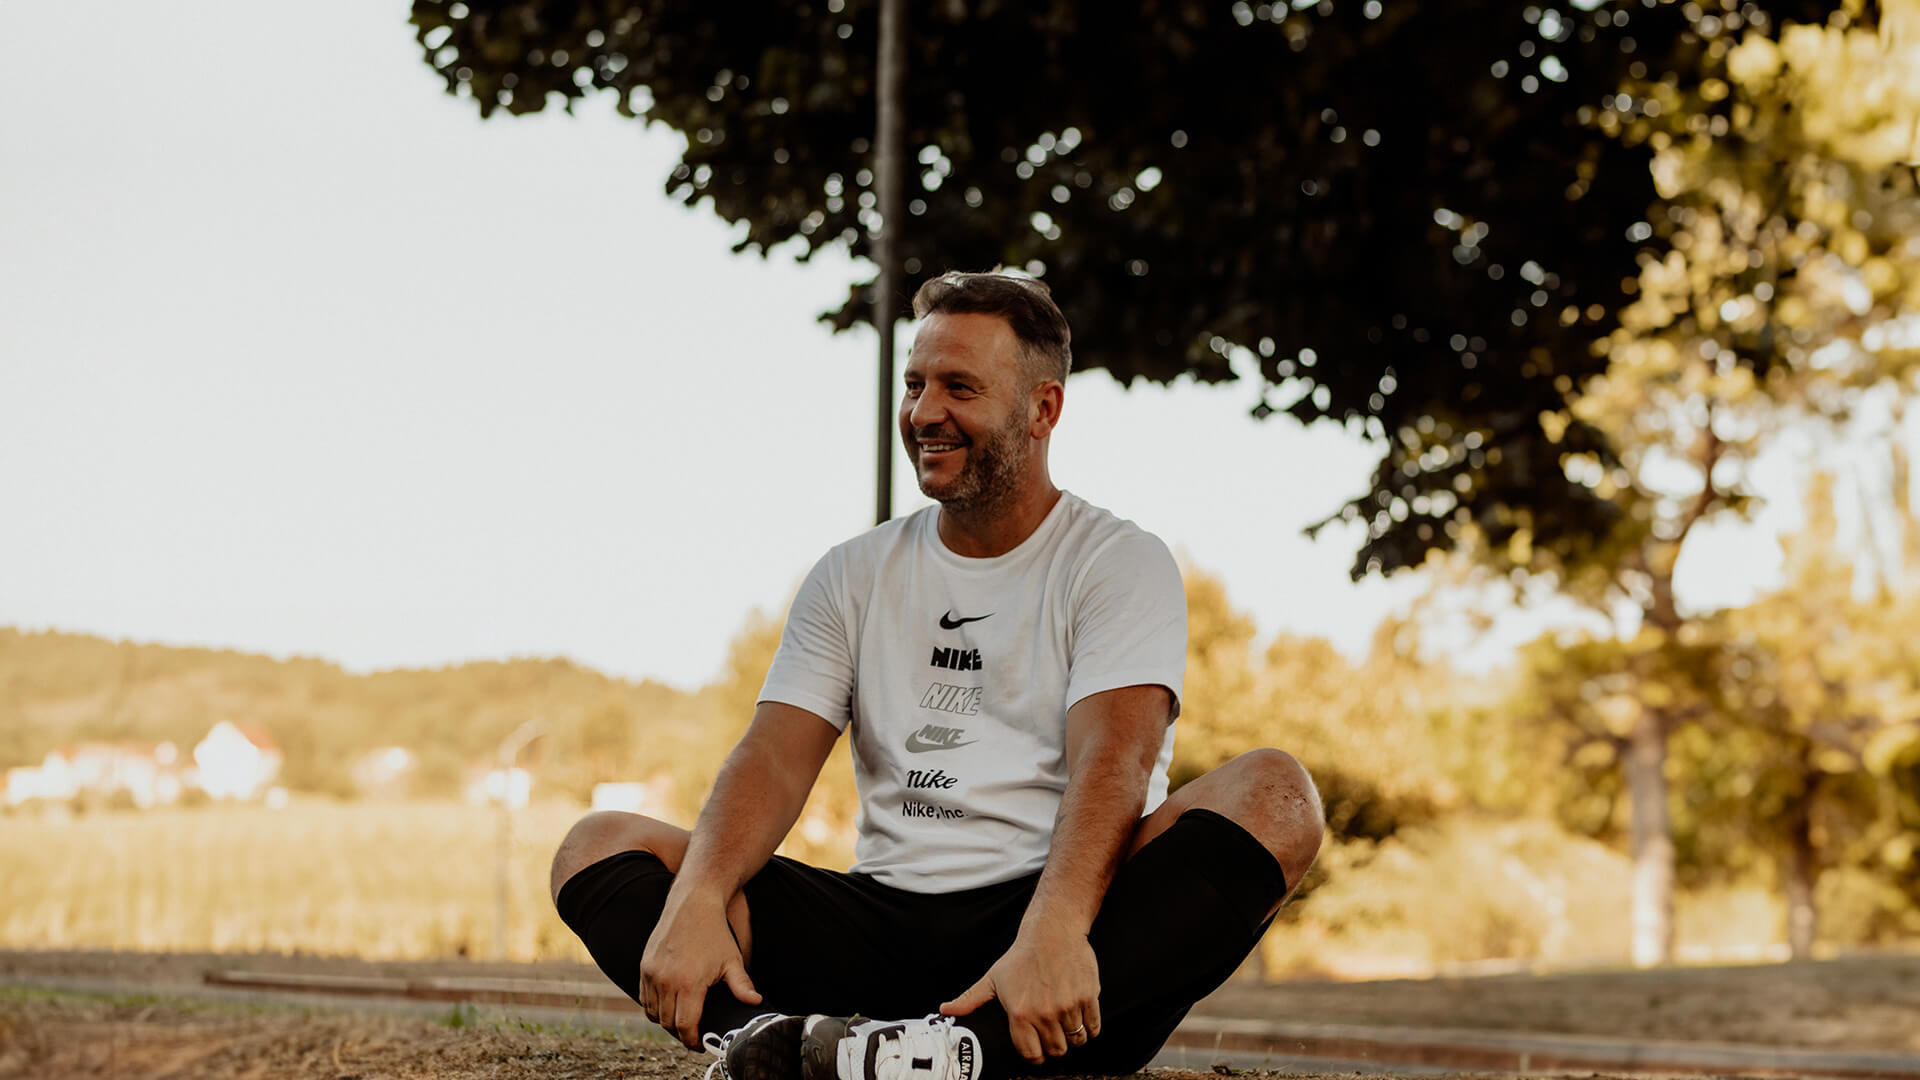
991 474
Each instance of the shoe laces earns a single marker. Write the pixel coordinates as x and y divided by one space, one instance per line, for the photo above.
718 1045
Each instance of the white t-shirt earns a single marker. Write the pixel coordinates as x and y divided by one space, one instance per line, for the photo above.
953 677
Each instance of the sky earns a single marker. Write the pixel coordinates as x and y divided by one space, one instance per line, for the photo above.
298 356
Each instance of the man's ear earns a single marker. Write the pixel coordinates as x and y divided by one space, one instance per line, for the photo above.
1044 408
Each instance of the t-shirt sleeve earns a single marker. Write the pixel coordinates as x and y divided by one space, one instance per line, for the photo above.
1129 622
813 668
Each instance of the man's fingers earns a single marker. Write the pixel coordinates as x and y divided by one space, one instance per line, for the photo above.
1076 1030
740 984
662 1011
1026 1041
1090 1016
686 1019
977 995
1052 1038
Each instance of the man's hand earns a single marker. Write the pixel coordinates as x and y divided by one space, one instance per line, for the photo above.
1049 983
691 949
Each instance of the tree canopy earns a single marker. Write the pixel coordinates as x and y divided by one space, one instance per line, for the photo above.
1415 219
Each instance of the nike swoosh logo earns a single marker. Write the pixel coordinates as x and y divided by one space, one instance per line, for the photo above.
948 622
917 745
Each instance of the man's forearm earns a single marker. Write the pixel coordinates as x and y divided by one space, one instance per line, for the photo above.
1097 817
1113 741
755 800
700 939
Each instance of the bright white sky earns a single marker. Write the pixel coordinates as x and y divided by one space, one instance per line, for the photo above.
299 356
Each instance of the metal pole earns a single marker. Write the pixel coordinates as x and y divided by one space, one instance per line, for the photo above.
503 864
887 176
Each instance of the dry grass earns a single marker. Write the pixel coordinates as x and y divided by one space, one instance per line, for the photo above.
377 880
51 1036
79 1037
411 880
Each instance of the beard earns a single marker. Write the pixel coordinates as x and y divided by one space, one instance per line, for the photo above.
991 473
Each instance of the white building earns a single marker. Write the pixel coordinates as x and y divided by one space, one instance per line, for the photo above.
652 797
512 786
237 762
148 773
385 773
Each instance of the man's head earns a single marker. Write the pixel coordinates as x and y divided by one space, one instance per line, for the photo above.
983 388
1025 304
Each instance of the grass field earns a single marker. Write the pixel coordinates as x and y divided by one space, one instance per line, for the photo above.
388 880
417 879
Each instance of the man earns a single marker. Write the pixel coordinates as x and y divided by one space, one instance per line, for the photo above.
1008 666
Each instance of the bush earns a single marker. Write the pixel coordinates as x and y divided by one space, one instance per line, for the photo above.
1459 891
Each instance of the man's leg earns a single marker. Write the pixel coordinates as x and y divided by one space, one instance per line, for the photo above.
822 941
1267 793
609 882
1206 873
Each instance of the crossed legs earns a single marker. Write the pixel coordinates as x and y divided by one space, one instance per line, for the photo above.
604 833
1180 916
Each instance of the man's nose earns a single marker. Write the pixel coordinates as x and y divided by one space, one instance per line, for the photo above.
928 409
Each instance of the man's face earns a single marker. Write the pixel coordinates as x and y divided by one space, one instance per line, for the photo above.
965 414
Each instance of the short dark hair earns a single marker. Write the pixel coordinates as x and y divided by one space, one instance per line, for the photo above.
1025 303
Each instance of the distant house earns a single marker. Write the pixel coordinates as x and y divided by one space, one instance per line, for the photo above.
496 785
652 797
147 773
384 773
50 781
237 761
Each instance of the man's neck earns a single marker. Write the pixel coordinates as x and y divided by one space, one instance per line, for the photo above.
986 531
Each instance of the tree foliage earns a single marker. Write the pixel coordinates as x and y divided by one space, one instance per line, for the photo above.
1390 742
1415 219
1797 723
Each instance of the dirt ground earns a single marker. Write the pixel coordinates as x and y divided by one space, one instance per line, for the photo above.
63 1036
147 1025
57 1036
1866 1002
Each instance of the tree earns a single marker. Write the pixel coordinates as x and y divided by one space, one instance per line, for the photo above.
1833 677
1589 250
1384 210
1382 757
1779 260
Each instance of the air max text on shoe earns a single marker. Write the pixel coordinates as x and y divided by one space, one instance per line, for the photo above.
934 1048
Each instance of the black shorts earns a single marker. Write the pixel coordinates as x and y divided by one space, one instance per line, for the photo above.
822 941
1179 917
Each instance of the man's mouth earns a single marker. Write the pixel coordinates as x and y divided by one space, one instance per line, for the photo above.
938 447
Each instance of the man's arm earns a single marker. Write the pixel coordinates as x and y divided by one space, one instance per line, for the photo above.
759 793
1049 981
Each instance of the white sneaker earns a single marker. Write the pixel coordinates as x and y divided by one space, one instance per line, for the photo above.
855 1048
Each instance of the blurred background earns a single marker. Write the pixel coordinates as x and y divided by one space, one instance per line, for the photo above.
417 418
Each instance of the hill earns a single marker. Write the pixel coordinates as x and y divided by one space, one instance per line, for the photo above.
61 688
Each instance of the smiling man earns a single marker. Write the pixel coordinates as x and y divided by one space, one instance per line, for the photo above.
1008 665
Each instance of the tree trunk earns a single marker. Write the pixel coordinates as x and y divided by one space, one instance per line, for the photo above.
1800 872
1651 841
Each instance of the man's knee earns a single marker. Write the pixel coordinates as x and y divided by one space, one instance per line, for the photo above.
609 832
1270 794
